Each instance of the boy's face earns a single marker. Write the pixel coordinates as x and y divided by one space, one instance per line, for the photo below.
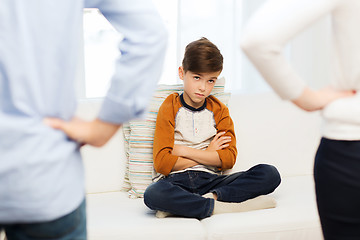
197 86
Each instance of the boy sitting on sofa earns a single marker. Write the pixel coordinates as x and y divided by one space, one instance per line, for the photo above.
195 141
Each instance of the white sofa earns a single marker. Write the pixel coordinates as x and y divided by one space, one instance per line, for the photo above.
268 130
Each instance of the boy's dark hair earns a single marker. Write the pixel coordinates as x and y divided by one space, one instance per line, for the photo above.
202 56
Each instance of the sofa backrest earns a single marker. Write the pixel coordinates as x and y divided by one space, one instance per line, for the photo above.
274 131
268 130
105 166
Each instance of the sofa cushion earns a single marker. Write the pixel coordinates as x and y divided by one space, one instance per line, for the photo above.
114 216
295 216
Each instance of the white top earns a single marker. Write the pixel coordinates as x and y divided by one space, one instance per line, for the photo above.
277 21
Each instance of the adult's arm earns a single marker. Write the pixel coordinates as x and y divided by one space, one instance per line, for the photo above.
137 70
264 38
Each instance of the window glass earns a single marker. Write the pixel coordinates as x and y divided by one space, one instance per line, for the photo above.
186 20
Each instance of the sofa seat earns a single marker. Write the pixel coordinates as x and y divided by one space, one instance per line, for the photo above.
115 216
295 216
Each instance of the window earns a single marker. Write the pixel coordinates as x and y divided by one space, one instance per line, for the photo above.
187 20
100 52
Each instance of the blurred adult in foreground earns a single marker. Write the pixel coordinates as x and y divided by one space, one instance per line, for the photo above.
337 162
41 171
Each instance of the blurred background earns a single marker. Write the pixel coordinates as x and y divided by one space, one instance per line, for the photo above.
221 21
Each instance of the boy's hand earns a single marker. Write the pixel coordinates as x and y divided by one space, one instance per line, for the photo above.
311 100
95 133
219 142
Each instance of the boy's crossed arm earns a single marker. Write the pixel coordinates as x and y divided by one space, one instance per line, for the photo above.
189 157
183 163
168 157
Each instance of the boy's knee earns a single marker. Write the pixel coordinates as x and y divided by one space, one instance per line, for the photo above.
153 195
149 195
272 175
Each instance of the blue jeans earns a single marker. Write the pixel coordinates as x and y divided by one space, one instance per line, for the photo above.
181 193
68 227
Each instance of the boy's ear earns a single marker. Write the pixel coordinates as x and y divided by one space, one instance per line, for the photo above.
181 73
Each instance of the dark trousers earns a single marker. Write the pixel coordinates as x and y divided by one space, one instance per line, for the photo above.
181 193
337 182
69 227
